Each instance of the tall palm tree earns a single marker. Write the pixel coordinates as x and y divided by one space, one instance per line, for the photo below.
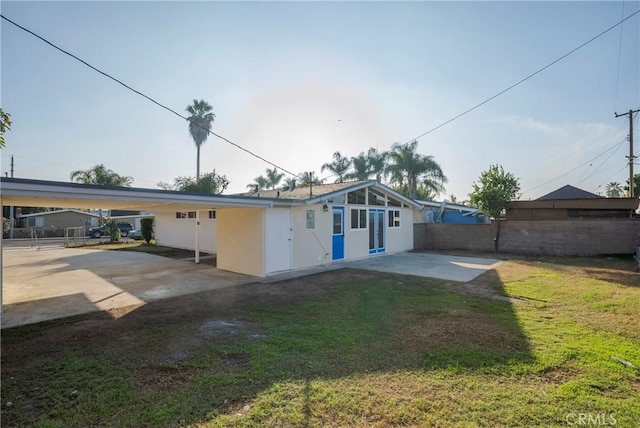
101 175
614 190
339 166
360 168
273 178
377 163
200 122
411 169
259 183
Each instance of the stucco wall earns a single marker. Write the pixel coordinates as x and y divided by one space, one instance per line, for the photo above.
401 238
311 247
180 233
556 237
241 240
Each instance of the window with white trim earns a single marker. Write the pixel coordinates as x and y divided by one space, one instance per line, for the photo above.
394 218
358 218
212 214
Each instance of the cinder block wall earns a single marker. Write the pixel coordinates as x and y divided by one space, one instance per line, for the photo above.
555 237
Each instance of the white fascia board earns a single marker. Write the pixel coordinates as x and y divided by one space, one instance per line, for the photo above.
322 198
26 189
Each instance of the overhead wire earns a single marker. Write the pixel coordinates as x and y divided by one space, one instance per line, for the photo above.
616 144
523 80
615 103
146 96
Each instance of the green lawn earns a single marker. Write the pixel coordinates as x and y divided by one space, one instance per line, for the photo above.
362 350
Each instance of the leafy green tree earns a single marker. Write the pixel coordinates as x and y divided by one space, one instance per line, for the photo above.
100 175
614 190
210 182
408 167
200 121
113 230
273 178
339 166
636 185
493 192
5 125
146 229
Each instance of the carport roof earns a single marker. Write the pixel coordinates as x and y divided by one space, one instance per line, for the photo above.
40 193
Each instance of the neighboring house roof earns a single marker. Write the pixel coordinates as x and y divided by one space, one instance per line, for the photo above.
568 192
322 192
58 212
449 206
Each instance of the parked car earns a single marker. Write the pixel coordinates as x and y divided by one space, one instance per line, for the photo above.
137 234
98 231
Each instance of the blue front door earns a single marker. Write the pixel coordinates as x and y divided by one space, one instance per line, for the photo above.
337 244
376 231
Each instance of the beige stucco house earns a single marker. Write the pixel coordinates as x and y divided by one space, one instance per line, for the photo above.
304 227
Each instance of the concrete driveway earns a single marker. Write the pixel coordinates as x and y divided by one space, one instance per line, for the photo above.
431 265
55 282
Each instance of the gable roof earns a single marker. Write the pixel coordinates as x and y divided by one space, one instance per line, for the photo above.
568 192
322 192
66 210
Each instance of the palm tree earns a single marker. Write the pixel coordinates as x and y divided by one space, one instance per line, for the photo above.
338 167
411 169
377 163
614 190
273 178
289 184
307 178
101 175
259 183
360 167
200 122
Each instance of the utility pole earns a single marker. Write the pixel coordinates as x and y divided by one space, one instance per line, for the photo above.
631 156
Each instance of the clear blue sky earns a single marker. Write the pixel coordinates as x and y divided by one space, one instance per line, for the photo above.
297 81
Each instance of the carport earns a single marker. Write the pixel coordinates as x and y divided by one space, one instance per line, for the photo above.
39 193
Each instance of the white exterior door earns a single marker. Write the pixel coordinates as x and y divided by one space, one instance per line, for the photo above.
277 240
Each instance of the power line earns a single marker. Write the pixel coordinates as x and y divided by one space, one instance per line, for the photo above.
615 103
601 163
522 80
617 144
145 96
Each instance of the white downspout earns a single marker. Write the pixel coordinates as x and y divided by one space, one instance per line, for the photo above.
197 247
